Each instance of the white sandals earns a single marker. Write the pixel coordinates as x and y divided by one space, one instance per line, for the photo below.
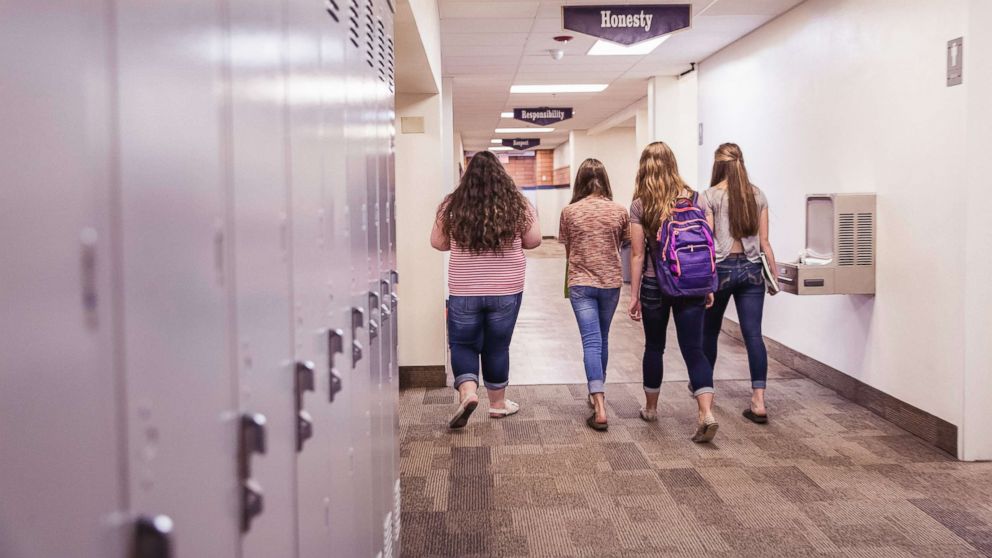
511 408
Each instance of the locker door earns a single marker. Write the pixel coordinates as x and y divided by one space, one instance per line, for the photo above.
312 308
263 306
386 239
181 388
356 130
60 436
386 435
337 250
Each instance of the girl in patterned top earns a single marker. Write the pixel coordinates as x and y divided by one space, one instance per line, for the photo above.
593 228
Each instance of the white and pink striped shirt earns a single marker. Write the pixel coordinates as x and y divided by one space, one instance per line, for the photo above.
489 273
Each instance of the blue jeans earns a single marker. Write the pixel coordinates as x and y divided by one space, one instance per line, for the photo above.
594 309
689 314
743 280
480 328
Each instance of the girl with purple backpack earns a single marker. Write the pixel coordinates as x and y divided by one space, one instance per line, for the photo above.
672 273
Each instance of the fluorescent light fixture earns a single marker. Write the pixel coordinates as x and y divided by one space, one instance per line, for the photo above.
500 149
607 48
560 88
496 141
524 130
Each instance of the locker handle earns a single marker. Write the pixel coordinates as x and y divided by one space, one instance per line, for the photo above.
335 345
373 306
153 537
252 442
357 321
303 381
385 310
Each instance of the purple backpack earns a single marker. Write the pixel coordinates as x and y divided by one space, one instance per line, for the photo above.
684 258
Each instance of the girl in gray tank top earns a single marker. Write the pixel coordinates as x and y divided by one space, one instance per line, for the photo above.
738 213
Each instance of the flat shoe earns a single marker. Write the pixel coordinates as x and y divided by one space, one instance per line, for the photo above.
706 432
755 417
510 409
460 419
599 426
649 416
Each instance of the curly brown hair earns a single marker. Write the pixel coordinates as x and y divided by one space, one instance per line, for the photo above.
658 186
487 211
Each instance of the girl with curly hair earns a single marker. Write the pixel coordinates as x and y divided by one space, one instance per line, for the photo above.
486 223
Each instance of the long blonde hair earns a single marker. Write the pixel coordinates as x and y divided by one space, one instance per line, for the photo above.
729 165
658 185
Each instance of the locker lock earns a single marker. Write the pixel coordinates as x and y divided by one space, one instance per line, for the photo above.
252 442
357 321
304 381
335 346
153 537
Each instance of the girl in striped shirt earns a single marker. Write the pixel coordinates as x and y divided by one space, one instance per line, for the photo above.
486 223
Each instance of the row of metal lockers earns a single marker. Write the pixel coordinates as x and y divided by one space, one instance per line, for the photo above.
196 279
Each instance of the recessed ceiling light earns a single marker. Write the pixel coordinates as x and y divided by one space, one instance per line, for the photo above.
496 141
524 130
500 149
607 48
560 88
506 114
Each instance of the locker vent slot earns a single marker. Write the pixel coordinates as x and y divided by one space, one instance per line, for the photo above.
390 59
396 510
845 239
387 536
381 49
353 35
865 224
333 10
369 36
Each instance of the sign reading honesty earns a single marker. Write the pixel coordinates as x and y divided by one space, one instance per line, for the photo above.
522 144
542 116
626 24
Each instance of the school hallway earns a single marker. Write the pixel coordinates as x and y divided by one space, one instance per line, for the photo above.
825 477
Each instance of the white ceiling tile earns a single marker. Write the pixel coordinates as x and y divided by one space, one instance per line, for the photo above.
508 8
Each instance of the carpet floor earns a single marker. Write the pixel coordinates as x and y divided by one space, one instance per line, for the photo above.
825 477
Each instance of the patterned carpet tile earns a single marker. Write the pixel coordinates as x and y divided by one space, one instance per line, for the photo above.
824 478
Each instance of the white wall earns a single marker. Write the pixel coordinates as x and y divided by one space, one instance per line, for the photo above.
850 96
672 118
424 174
976 438
617 149
563 155
428 21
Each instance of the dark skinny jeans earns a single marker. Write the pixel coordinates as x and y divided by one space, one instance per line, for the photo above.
743 280
689 314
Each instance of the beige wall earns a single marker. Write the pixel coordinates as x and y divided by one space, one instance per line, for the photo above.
672 118
976 439
617 149
870 112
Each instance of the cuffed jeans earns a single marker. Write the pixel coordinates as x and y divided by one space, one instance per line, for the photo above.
744 281
480 328
689 314
594 309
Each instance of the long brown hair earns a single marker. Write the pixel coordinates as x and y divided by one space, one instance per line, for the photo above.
487 211
658 185
729 165
591 179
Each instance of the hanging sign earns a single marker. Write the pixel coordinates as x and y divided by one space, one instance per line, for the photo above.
626 24
522 144
542 116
